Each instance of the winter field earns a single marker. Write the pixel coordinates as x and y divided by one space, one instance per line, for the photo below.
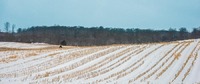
158 63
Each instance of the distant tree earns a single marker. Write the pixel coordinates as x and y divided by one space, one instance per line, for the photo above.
183 33
173 34
13 28
196 33
19 30
63 43
7 25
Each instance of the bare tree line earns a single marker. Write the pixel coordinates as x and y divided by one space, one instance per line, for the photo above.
7 26
84 36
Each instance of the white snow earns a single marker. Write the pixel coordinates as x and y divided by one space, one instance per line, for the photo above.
121 64
22 45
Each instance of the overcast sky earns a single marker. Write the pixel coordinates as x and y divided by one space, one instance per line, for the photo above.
154 14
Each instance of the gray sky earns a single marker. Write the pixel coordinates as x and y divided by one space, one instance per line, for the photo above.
154 14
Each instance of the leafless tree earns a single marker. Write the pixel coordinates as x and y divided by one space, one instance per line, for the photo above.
7 25
13 28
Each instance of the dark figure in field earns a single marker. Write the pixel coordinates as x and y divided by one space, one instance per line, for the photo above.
62 43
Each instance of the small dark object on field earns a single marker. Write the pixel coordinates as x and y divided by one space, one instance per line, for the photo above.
60 46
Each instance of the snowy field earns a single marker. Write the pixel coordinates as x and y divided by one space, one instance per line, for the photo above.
159 63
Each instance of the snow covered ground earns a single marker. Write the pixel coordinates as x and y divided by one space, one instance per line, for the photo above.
173 62
22 45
